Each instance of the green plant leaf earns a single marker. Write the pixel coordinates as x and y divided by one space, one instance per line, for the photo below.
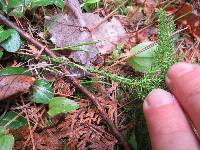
91 1
18 12
15 124
1 54
15 3
3 7
4 35
142 62
89 5
42 92
14 71
13 43
6 142
59 3
18 7
59 105
2 130
39 3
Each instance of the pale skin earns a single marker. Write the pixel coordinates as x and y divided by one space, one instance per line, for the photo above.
170 116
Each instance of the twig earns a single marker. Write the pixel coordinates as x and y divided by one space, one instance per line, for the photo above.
74 81
25 35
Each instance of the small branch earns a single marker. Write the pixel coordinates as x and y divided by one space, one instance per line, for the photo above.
25 35
73 80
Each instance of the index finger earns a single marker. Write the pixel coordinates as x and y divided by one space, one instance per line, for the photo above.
184 82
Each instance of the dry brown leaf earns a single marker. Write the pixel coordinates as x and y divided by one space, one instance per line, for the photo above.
192 20
185 16
14 85
108 34
149 6
66 30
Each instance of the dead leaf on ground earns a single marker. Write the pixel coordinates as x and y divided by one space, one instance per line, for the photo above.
14 85
187 18
191 20
108 34
149 6
147 34
65 31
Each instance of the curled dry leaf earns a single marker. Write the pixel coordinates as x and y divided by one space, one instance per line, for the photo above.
186 17
14 84
65 31
192 20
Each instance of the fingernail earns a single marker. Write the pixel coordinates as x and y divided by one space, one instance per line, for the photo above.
167 80
158 97
179 69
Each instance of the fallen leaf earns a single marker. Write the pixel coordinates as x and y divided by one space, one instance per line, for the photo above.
147 34
191 20
13 85
66 31
149 6
108 34
185 17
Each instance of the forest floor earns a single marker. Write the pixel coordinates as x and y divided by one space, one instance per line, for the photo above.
57 88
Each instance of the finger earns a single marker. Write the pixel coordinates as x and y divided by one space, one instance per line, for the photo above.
184 81
167 124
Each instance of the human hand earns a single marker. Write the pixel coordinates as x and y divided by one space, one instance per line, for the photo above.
168 117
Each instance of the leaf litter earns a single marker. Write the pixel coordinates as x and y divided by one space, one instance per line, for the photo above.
13 85
84 128
66 30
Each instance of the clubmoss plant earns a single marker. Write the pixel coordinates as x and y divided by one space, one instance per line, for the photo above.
155 77
164 58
